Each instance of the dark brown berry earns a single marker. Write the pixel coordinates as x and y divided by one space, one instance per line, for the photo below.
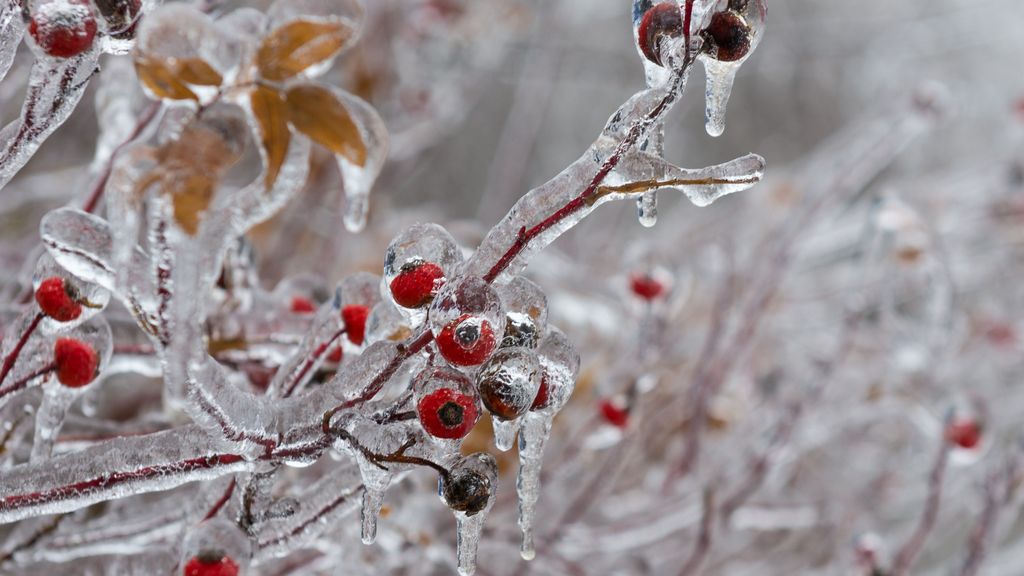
660 22
466 491
728 37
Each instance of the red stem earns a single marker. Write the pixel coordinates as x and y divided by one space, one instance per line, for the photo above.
221 501
20 384
375 386
13 356
309 363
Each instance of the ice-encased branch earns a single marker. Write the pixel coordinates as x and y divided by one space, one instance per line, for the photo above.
114 469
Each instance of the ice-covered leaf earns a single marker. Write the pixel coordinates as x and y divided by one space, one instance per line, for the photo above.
296 46
271 113
317 113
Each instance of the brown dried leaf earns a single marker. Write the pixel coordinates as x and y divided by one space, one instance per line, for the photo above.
192 193
271 112
198 72
315 112
171 81
298 45
161 81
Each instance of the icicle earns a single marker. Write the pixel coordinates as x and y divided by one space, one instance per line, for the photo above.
49 420
373 500
533 435
505 433
468 540
720 78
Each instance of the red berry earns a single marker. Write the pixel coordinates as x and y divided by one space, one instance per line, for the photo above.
58 299
76 362
543 393
660 21
614 413
447 413
416 284
727 36
211 563
965 433
354 317
466 341
63 28
302 305
646 287
336 355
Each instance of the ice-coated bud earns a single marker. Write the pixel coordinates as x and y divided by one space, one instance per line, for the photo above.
509 382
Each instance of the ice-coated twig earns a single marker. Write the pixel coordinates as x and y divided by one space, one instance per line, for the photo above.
703 543
147 463
912 547
150 114
54 90
997 486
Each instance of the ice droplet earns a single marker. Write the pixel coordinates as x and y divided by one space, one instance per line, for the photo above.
505 433
647 209
49 420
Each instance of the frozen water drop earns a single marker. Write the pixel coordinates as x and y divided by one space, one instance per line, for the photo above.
505 433
647 209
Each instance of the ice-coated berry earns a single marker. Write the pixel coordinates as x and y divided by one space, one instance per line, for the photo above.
120 16
661 21
520 330
354 317
76 362
302 305
447 413
211 563
728 37
543 394
646 287
614 413
466 341
466 491
335 355
63 28
416 284
509 382
58 299
964 433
